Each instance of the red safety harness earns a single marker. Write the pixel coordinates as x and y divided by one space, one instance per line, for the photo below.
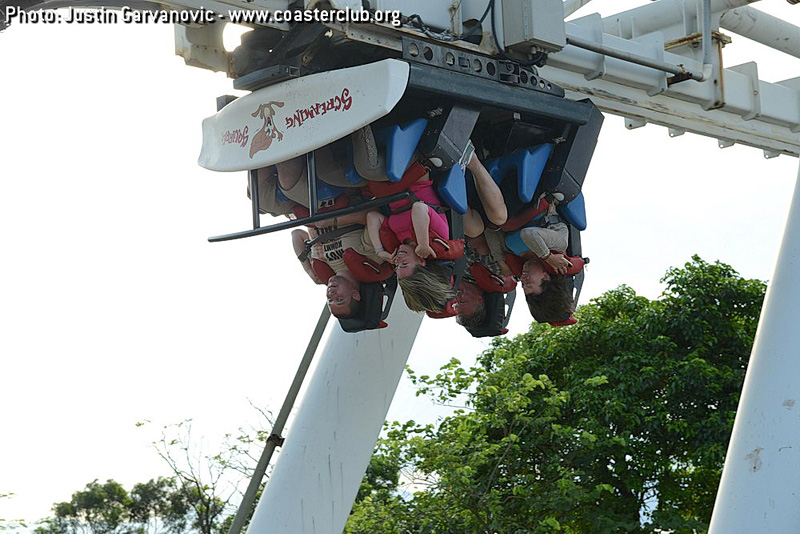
490 282
515 263
525 217
445 249
362 268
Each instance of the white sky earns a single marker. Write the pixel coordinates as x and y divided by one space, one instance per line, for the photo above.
116 309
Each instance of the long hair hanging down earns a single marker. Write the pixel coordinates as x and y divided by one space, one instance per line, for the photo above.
427 289
554 303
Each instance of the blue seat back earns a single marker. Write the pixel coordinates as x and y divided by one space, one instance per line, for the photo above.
515 243
529 163
574 212
452 189
350 172
400 142
325 191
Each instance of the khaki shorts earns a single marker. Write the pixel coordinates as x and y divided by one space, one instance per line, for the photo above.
329 170
268 201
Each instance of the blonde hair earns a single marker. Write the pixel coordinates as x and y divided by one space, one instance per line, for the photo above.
427 288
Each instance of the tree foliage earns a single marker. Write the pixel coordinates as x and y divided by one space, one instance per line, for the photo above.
108 508
617 424
196 499
200 477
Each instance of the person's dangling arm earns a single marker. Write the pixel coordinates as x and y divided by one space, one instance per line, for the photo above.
299 238
374 222
421 220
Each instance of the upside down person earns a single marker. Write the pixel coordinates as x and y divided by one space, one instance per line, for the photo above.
426 285
548 295
487 250
343 288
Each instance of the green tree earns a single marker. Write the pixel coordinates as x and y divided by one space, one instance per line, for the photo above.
210 483
617 424
10 524
154 507
157 506
97 509
203 487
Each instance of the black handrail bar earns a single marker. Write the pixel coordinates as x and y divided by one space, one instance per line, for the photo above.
370 204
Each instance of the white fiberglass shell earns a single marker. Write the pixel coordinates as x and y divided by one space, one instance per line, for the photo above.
285 120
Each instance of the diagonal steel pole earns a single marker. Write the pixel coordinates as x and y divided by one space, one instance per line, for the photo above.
316 479
275 439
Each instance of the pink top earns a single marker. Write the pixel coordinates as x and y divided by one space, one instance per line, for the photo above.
401 225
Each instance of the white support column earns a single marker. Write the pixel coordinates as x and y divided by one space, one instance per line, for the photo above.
330 442
760 487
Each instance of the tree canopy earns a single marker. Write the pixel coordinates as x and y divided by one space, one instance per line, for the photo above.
617 424
196 499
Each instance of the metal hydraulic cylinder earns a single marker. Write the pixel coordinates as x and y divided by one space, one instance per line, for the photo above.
330 441
760 487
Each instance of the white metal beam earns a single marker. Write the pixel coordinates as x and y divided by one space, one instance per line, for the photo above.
674 18
571 6
681 116
760 487
751 111
330 442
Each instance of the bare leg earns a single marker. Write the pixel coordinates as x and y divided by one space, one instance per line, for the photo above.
489 192
473 224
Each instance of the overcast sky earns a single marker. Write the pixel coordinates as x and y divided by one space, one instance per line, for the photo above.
116 309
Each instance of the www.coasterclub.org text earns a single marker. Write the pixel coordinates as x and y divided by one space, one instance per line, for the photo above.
14 14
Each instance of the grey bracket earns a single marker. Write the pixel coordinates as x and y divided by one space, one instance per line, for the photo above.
595 24
750 70
792 83
656 42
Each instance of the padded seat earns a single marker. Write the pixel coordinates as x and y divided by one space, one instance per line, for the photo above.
325 192
498 313
399 143
574 212
452 189
376 301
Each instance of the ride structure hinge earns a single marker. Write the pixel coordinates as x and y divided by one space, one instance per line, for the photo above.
276 439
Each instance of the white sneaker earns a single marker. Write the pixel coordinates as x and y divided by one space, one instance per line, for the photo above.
466 156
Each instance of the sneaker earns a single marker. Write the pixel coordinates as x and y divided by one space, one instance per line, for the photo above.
466 156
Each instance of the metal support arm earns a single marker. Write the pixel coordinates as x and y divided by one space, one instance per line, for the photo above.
275 439
760 486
